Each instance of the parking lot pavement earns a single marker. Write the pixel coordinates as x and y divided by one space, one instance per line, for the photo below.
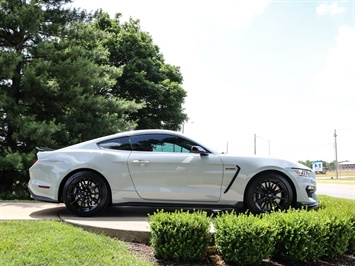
337 190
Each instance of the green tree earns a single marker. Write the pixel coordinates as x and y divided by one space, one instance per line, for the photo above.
307 163
55 85
146 78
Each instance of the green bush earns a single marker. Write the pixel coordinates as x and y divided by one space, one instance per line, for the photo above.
342 209
308 235
180 236
244 239
339 232
351 213
301 235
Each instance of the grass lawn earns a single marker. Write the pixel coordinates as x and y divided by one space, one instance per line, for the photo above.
345 178
57 243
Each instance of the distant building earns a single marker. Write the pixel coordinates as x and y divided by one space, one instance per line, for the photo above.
347 166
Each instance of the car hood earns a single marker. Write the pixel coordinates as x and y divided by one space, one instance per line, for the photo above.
259 162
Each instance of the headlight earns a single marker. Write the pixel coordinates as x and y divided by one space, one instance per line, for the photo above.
302 172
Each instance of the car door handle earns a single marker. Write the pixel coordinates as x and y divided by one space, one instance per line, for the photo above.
141 162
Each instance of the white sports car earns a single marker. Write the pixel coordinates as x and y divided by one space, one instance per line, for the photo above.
165 168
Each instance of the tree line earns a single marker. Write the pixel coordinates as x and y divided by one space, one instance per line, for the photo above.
330 165
67 76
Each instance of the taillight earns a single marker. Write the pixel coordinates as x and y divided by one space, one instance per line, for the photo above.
35 162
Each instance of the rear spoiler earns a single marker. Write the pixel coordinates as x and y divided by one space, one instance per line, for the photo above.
40 149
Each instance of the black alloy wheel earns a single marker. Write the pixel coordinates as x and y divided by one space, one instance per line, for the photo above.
85 194
269 192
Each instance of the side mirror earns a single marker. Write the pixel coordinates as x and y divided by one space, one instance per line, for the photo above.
200 150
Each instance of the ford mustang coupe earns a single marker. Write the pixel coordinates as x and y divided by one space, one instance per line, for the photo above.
165 168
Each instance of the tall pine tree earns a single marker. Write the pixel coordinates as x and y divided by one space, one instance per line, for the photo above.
55 85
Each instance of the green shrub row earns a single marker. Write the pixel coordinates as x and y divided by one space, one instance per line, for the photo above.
308 235
292 236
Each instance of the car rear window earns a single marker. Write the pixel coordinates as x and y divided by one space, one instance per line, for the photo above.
121 144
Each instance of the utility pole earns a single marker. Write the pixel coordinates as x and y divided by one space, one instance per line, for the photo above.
336 153
254 144
261 139
269 146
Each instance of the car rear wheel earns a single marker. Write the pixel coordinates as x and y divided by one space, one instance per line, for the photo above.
269 192
85 194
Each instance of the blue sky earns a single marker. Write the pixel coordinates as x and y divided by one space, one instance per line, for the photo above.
283 70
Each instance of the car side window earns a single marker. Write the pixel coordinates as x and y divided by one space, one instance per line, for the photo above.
160 143
121 144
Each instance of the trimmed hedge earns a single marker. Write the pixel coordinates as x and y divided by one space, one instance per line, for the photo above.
341 224
180 236
244 239
301 235
292 236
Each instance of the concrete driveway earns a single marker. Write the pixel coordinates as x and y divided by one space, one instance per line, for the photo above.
128 224
30 211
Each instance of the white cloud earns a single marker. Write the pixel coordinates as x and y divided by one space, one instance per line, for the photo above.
337 79
329 9
335 87
181 27
230 13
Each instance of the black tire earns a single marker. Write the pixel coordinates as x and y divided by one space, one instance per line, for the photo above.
269 192
85 194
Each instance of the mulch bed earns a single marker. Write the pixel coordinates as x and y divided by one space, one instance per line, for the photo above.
213 259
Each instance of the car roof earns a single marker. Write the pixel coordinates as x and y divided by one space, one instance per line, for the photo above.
139 132
91 142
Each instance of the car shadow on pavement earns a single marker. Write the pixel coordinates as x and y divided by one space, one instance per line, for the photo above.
112 213
48 213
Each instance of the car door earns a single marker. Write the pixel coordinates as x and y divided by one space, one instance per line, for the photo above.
163 168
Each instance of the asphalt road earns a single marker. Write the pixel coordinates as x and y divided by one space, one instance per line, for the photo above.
337 190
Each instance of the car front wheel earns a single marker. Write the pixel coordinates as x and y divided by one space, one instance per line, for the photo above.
269 192
85 194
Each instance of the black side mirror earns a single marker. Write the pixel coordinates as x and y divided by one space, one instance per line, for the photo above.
200 150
